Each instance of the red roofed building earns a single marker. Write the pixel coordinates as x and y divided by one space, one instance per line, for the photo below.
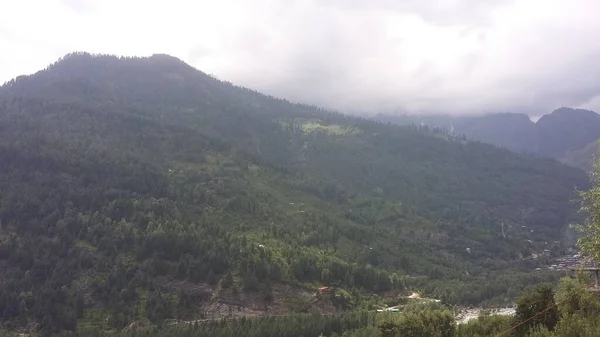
326 290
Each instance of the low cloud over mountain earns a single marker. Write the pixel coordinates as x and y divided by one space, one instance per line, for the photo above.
460 56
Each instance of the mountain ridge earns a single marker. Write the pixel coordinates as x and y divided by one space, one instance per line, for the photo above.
557 135
119 173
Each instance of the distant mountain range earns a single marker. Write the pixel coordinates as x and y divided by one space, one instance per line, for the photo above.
566 134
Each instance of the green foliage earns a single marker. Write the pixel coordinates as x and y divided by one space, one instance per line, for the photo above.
420 324
573 298
568 135
590 206
578 306
308 325
484 326
134 189
578 309
540 331
535 309
578 325
335 129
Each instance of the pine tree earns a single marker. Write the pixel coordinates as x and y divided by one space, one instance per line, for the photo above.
531 304
23 313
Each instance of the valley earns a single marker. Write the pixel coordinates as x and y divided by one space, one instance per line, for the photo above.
566 134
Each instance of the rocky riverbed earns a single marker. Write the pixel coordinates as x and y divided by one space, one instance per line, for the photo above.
469 314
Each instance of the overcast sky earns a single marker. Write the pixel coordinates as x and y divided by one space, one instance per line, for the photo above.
451 56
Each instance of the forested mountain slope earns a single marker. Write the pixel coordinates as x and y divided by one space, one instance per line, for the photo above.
565 134
128 184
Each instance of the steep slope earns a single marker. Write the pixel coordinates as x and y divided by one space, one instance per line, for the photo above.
141 187
562 134
565 130
508 130
512 131
583 157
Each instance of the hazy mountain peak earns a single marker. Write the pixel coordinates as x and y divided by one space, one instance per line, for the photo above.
566 133
570 116
563 111
109 78
165 57
84 65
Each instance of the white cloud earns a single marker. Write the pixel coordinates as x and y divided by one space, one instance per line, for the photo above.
458 56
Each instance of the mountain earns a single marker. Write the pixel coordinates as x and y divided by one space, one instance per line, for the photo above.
566 130
565 134
583 157
141 189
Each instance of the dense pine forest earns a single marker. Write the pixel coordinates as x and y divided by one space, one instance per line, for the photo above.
141 191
